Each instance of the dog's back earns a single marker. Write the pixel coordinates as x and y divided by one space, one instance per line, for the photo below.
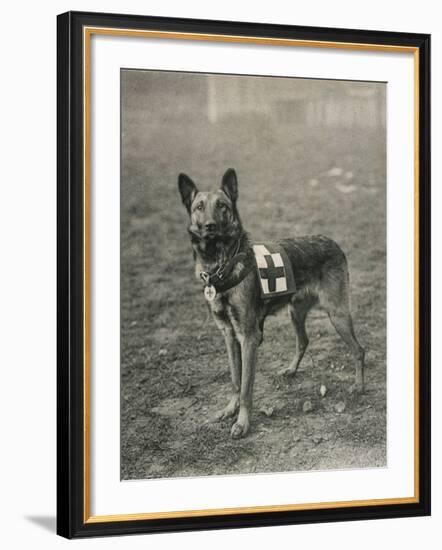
319 265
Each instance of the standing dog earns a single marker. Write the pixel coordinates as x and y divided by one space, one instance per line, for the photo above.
224 259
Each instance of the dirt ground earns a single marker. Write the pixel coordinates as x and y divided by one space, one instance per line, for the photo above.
293 180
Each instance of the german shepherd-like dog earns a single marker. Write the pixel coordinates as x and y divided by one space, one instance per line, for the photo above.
224 259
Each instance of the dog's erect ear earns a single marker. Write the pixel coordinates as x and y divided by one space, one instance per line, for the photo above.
187 189
230 185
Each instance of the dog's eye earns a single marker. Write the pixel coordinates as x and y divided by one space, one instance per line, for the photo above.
199 206
221 205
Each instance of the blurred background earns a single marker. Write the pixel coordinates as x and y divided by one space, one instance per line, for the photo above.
311 158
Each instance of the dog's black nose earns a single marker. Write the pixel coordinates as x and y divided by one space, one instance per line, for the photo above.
210 226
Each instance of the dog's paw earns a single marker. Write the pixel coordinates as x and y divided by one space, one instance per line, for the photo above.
223 414
228 411
287 371
239 430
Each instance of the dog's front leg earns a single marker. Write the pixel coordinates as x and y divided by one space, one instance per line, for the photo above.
249 347
234 357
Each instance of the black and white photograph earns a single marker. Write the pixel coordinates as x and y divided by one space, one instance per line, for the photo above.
217 221
252 274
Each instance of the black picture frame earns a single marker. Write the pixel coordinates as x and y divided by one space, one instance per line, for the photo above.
71 498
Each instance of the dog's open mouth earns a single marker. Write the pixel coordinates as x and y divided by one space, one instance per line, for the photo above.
208 242
210 236
205 236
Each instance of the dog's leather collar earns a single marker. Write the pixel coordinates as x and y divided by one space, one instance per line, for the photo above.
221 277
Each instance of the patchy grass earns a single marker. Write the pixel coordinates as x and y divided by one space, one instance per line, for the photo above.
174 372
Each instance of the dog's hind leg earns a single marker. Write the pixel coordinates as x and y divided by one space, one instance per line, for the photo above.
343 324
335 300
298 310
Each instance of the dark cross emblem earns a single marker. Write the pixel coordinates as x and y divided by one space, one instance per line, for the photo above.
271 273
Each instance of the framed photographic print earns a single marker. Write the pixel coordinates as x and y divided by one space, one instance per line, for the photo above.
243 274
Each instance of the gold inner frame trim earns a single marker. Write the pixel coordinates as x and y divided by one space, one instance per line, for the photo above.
87 33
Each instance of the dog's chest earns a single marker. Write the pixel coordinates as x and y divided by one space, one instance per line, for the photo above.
219 305
224 309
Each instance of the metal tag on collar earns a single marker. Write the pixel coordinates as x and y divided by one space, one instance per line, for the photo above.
209 293
209 290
